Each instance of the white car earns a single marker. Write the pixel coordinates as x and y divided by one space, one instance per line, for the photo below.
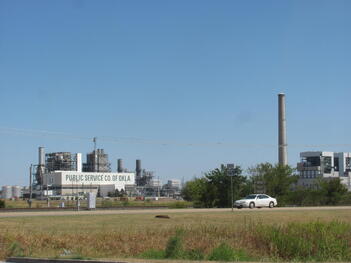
256 200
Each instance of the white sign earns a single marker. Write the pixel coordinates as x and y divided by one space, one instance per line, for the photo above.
97 178
89 178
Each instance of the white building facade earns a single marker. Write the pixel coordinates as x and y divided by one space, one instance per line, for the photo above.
327 165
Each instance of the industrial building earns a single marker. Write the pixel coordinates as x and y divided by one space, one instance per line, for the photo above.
172 188
62 174
326 165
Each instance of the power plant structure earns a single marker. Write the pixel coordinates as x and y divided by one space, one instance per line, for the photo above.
61 174
324 165
282 142
97 161
64 175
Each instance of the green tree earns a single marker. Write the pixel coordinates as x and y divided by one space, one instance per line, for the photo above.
220 179
277 179
195 191
214 189
332 190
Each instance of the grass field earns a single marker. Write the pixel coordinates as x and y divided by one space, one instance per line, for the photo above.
323 235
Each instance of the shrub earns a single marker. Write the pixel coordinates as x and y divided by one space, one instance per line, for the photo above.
307 241
2 204
174 250
225 253
194 254
174 247
16 250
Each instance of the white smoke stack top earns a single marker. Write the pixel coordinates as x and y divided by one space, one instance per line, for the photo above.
282 148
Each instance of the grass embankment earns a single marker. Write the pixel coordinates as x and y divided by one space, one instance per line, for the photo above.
100 203
262 235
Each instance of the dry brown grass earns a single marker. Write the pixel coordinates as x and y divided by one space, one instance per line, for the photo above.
127 235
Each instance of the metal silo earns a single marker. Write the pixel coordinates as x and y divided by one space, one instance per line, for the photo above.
6 192
16 191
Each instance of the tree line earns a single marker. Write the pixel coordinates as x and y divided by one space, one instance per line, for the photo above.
216 187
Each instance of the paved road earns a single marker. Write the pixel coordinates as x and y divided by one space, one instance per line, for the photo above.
163 211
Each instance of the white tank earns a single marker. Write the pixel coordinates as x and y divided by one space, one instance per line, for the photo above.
16 191
6 192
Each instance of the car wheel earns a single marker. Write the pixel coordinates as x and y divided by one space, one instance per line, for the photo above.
252 205
271 205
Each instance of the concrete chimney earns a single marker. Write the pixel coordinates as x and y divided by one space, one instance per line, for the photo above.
120 168
282 148
138 168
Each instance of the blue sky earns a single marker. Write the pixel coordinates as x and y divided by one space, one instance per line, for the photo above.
165 81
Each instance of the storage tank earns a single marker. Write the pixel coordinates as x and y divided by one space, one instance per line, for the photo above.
6 192
16 191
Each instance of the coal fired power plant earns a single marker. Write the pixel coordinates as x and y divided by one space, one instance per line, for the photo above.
64 175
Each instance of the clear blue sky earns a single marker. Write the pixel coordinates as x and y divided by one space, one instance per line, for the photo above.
172 73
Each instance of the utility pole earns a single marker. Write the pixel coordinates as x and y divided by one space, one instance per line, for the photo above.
231 185
47 191
41 176
231 172
158 187
30 186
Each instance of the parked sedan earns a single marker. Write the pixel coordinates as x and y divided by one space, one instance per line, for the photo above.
256 200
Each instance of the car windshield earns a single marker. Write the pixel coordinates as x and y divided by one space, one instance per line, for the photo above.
250 197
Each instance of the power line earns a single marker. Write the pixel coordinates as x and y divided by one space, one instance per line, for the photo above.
135 140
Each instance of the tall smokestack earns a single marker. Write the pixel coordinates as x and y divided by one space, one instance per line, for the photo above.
138 171
283 155
41 156
120 166
41 166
